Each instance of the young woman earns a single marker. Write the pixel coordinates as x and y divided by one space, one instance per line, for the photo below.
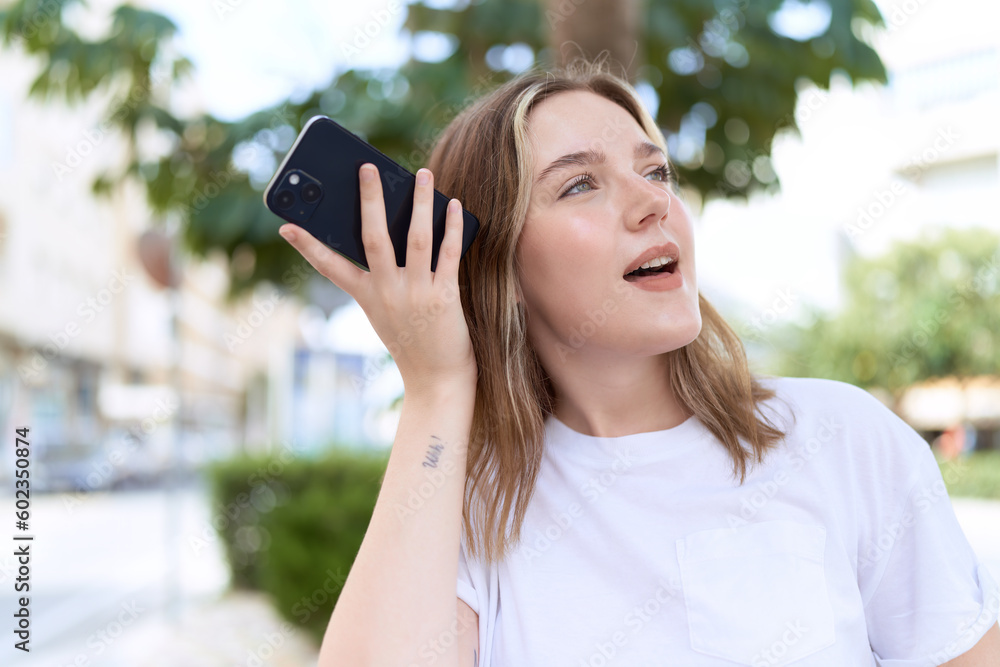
595 465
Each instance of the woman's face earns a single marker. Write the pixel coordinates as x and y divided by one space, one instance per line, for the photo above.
582 235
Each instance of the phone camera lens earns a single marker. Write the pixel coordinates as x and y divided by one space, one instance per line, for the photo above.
310 193
284 199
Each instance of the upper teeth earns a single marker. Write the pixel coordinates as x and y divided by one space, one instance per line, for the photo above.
659 261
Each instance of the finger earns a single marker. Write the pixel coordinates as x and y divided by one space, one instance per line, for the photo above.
419 238
374 228
451 246
339 270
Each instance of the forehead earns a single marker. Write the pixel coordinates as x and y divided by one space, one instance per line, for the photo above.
579 120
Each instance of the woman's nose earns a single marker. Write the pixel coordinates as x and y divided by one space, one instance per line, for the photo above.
650 201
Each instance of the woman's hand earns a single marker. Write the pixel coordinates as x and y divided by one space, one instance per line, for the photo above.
416 312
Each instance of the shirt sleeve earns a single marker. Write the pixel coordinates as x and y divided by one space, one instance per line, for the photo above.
927 597
466 589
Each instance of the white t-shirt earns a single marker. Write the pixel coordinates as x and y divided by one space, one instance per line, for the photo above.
841 550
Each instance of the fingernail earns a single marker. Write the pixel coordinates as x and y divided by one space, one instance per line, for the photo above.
367 173
423 177
453 206
287 233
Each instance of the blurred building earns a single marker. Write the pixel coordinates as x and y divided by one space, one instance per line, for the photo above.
936 405
86 345
935 127
87 351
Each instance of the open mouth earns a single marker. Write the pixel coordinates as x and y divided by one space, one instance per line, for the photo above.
670 267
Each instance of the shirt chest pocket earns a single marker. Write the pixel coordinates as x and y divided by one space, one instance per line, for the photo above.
757 594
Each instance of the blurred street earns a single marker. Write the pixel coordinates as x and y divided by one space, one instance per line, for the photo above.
109 603
138 578
980 519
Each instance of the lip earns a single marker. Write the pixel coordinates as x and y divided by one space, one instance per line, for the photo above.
669 249
659 282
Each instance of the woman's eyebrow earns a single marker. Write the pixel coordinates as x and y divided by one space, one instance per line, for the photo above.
592 156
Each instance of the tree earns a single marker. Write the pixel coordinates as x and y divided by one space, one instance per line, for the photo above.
927 308
724 77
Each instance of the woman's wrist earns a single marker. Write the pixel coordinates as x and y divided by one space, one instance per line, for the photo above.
448 388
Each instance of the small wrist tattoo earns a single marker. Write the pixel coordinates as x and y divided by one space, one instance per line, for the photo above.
433 453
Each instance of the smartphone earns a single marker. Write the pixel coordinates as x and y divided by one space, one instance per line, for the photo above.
317 187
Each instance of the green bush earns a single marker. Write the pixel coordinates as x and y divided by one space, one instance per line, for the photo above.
291 527
976 475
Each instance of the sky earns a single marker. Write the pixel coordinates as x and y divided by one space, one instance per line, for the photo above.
249 54
292 51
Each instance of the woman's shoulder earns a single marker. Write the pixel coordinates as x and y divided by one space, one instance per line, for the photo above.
823 394
811 405
833 410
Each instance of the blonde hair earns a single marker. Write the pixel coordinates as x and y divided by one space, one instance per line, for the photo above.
482 158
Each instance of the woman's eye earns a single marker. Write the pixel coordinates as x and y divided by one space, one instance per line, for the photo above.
662 172
582 180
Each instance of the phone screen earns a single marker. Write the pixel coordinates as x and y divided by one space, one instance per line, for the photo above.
317 187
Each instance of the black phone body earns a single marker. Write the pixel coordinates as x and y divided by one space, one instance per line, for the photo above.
317 187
